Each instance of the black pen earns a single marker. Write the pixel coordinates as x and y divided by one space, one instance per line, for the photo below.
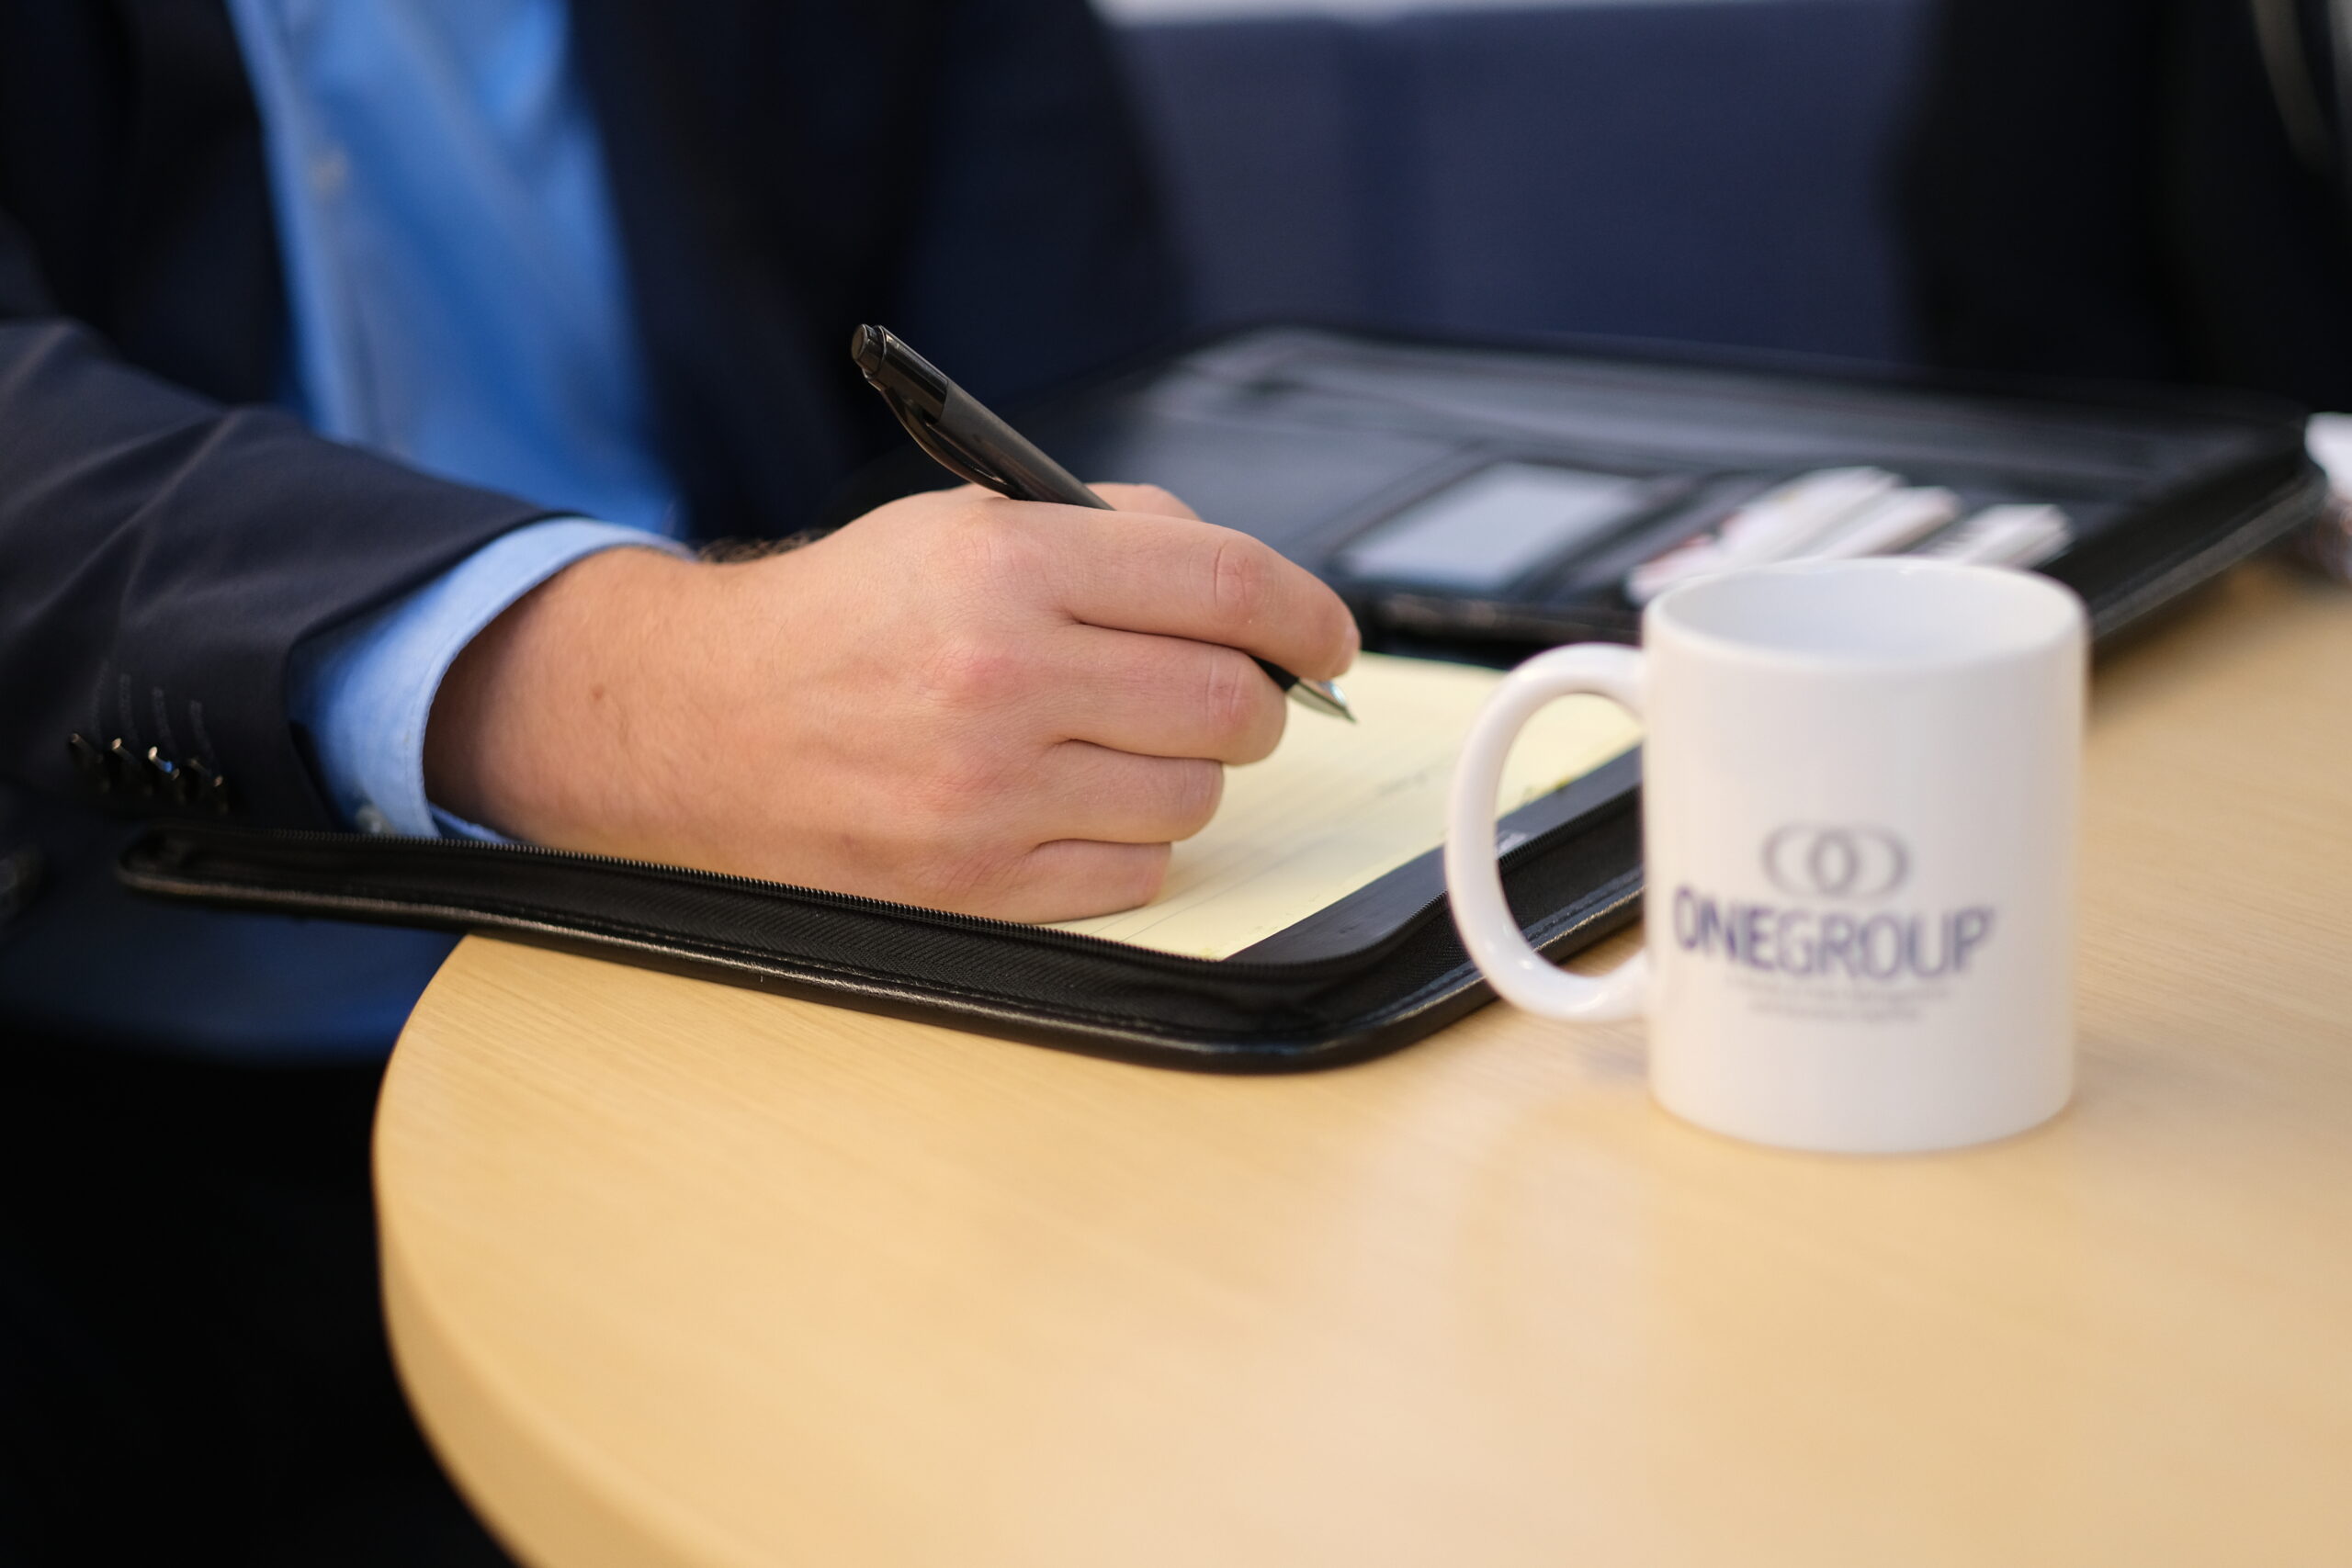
972 444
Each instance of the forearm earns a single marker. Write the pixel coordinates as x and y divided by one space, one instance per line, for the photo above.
566 719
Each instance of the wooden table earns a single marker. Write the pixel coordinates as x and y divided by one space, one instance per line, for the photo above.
684 1274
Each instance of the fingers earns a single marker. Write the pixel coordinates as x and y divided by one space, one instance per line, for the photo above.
1089 833
1163 697
1084 791
1072 878
1176 577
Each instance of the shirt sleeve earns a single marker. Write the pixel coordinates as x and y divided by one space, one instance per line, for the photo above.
364 689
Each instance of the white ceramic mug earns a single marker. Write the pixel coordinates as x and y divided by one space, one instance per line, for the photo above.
1858 793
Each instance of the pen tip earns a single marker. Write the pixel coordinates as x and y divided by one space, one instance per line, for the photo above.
1325 696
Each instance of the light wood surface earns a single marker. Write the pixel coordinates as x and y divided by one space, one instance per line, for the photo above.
684 1274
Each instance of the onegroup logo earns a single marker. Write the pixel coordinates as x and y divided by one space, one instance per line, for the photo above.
1830 875
1819 860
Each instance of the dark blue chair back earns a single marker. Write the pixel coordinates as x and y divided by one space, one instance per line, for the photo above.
1693 170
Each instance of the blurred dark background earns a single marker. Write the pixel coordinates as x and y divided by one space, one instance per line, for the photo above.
2114 189
1708 171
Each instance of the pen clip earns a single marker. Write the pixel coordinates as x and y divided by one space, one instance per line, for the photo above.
939 448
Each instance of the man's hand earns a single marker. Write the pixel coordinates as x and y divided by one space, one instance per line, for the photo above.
1003 708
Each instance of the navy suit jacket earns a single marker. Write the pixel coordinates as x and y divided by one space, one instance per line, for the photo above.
964 170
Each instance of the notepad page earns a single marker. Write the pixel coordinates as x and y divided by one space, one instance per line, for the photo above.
1339 804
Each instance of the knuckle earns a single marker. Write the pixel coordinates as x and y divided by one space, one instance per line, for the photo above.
1240 579
1158 498
967 877
1232 698
983 544
951 847
1195 789
1257 744
978 674
958 789
1140 875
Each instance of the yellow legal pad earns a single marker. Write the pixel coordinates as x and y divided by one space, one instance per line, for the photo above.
1338 804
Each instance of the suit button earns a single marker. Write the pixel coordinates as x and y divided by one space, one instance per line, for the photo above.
127 769
92 761
199 785
161 774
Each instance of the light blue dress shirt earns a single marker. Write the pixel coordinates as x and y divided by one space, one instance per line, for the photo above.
456 296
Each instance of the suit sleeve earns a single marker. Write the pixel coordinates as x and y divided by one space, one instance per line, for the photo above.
163 555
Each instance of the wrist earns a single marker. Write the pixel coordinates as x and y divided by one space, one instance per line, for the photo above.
545 721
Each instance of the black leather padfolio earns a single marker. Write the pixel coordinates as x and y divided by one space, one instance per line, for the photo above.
1319 441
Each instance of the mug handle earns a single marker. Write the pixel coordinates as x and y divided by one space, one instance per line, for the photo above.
1474 881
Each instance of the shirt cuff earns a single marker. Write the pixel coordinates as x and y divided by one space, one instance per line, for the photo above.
366 689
